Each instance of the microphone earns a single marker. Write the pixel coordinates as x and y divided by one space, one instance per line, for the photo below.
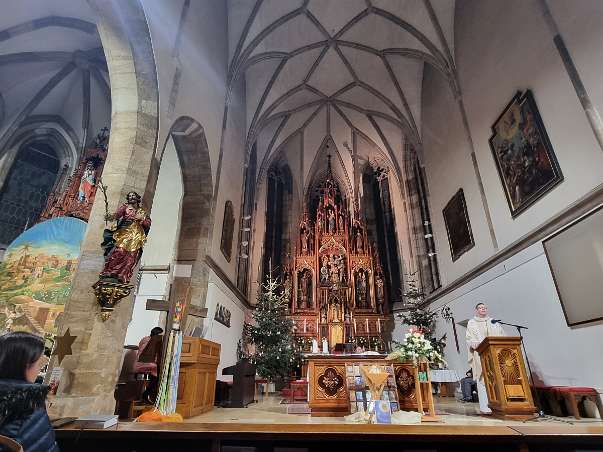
495 321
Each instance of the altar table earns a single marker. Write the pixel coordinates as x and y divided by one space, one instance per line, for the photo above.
328 393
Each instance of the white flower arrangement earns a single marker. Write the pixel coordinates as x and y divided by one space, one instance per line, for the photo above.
417 349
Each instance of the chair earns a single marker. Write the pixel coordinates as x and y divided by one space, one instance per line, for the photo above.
128 388
243 384
10 444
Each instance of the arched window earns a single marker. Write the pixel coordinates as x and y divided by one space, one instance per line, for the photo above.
30 180
380 223
246 214
278 209
227 231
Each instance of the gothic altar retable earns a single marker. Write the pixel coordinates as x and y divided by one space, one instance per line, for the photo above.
336 283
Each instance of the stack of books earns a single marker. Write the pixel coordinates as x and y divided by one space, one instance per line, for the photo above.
96 421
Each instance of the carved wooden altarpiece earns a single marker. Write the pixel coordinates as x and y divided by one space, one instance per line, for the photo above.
336 281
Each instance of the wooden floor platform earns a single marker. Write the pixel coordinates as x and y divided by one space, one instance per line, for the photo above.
232 436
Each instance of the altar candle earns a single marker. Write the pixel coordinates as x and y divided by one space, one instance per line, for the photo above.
305 325
367 328
379 325
354 327
317 325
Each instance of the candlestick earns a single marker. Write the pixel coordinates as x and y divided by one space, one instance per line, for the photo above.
354 327
379 325
305 325
367 328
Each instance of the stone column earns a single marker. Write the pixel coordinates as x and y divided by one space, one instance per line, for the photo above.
90 373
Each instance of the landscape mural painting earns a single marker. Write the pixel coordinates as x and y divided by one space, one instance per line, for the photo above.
36 275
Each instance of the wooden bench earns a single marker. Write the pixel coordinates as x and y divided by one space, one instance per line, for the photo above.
571 397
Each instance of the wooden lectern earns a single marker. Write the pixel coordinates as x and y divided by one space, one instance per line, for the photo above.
197 380
505 377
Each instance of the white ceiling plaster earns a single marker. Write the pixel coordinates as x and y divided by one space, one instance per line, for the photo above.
292 74
238 13
296 33
414 12
264 139
362 123
344 47
294 123
331 75
257 78
394 137
340 131
380 33
372 71
314 134
334 15
409 74
268 13
364 99
58 36
27 10
13 75
49 39
58 97
444 10
296 100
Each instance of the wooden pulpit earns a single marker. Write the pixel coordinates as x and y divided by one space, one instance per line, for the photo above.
197 379
505 377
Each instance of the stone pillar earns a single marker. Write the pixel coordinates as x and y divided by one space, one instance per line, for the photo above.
90 373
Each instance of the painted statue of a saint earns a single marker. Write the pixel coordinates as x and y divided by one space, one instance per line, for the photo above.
379 294
332 222
123 245
359 243
87 184
324 270
304 241
305 290
335 278
361 289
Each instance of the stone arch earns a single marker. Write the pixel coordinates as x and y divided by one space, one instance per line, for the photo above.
44 128
196 221
90 373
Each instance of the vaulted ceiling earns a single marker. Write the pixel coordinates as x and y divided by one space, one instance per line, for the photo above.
52 69
332 67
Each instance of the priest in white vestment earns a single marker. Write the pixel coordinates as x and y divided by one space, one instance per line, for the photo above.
478 328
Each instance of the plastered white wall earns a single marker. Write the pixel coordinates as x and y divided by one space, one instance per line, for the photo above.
500 48
160 247
521 291
202 56
228 338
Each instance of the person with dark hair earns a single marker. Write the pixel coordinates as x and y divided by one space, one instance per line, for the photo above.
23 414
147 361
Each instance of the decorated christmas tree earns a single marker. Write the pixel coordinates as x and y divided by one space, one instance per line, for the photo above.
269 340
423 320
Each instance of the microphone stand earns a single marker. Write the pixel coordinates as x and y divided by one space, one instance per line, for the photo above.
523 346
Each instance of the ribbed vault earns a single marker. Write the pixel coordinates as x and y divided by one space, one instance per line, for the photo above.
330 68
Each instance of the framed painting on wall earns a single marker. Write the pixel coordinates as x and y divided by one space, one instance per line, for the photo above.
524 156
458 226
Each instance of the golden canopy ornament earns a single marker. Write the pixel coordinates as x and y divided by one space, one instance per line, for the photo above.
108 294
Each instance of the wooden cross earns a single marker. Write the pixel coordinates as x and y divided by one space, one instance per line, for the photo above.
169 306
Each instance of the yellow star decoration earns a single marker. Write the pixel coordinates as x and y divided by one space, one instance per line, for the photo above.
63 346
